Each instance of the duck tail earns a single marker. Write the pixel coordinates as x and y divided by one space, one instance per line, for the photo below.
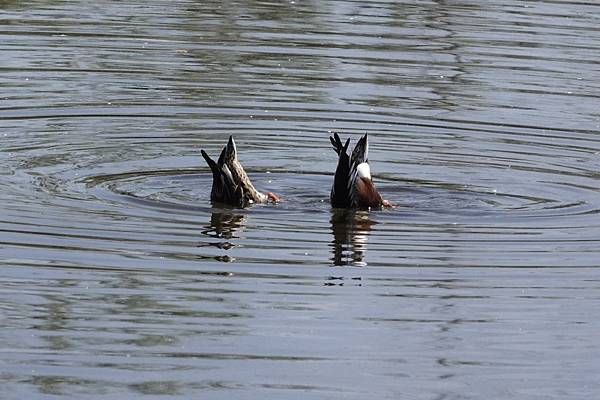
337 144
229 153
216 171
360 154
224 188
341 190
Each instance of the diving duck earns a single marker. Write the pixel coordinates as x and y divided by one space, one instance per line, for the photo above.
231 184
353 186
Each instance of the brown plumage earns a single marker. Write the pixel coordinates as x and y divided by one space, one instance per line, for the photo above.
231 185
353 186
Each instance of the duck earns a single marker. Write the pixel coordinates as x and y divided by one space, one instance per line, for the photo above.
353 186
231 185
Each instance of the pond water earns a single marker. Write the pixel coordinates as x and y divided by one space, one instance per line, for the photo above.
119 279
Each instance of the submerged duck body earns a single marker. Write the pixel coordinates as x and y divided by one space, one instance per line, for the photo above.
231 185
353 186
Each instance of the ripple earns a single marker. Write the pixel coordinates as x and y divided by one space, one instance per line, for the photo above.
483 122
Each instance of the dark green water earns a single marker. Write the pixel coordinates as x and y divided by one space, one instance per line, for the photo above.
119 280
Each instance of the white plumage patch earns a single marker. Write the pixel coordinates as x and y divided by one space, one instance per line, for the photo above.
363 170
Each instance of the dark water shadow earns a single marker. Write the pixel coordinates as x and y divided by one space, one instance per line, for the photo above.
350 229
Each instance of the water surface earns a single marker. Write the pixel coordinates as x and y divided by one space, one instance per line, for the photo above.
119 279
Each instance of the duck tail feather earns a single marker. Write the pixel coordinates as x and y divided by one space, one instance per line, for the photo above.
360 154
336 142
221 160
213 166
340 192
230 154
224 188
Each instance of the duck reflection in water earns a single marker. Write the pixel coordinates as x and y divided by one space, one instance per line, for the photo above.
224 224
350 230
